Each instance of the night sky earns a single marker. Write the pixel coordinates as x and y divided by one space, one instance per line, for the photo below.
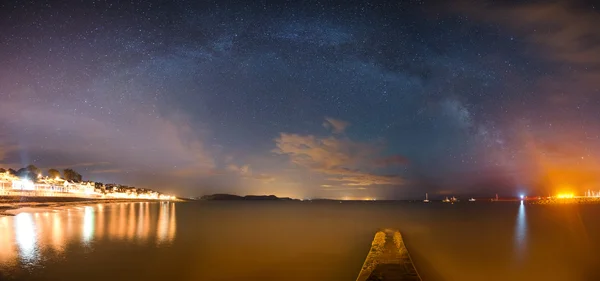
354 99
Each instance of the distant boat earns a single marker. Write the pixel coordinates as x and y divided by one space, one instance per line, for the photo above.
471 199
426 198
496 199
446 200
453 199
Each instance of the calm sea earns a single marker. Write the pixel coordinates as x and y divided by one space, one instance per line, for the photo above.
299 241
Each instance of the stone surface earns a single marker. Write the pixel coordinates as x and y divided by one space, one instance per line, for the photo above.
388 259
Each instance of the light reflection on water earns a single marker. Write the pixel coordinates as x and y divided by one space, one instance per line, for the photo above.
166 224
27 236
521 230
88 224
299 241
7 247
58 231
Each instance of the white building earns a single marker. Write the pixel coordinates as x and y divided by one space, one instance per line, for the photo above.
6 182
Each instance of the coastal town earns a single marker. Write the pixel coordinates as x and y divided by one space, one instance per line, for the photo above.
30 181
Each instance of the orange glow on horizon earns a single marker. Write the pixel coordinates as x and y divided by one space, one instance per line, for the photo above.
565 195
559 161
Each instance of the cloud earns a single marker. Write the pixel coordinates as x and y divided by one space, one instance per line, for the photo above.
566 33
329 187
263 177
322 153
336 125
557 31
339 159
162 146
245 172
83 164
390 161
107 171
344 188
365 179
5 150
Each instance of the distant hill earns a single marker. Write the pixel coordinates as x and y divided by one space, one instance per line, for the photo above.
231 197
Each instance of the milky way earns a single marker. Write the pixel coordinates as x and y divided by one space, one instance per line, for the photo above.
357 99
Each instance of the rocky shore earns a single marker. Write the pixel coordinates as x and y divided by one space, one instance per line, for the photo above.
582 200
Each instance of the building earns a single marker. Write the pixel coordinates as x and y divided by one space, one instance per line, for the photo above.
45 186
6 182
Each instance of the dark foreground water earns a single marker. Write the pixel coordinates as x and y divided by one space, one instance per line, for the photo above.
298 241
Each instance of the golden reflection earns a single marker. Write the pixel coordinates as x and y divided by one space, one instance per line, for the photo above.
146 230
69 224
58 234
8 251
45 230
172 223
28 236
122 222
131 222
166 223
100 222
88 224
25 236
143 222
521 229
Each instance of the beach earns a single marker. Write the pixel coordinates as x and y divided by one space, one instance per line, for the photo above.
11 205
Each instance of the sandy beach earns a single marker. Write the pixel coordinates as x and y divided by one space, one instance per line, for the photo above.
12 205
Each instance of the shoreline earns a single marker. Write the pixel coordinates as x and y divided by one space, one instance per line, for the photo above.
563 201
12 205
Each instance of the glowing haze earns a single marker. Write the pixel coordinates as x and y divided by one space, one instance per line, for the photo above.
355 100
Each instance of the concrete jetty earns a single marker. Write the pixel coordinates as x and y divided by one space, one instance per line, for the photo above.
388 259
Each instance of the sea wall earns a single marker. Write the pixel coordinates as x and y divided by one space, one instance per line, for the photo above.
388 259
580 200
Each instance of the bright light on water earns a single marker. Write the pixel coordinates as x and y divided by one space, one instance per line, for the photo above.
88 224
166 223
25 236
521 229
7 247
301 241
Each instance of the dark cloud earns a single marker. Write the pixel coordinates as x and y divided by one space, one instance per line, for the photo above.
567 33
563 32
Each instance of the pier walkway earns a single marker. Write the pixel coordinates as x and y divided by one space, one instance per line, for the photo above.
388 259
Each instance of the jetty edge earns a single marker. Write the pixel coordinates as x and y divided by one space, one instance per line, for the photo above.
388 259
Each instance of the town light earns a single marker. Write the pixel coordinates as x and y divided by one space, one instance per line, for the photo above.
23 185
59 187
